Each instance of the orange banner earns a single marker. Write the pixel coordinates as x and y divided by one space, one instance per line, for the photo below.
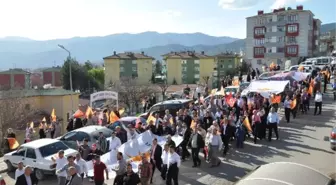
293 104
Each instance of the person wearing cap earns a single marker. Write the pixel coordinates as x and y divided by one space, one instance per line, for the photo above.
60 162
115 143
27 177
19 171
132 134
174 163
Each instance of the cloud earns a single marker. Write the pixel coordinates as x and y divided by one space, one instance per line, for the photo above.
283 3
246 4
172 13
238 4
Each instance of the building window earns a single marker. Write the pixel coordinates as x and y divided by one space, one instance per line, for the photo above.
268 39
261 21
291 50
269 50
281 28
134 61
259 62
197 69
292 28
184 62
184 69
269 29
291 40
196 76
280 50
259 42
196 62
122 61
122 69
259 31
280 39
281 17
229 66
269 19
259 51
134 69
222 66
292 18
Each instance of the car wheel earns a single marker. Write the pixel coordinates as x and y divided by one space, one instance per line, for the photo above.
39 174
10 167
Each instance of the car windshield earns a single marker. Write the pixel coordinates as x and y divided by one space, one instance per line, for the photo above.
52 148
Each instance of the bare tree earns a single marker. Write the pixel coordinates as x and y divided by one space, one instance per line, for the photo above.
14 109
206 80
163 86
131 93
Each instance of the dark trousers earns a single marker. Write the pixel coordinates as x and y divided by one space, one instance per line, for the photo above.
287 114
185 152
155 165
99 182
118 180
294 111
164 171
319 106
271 127
225 139
172 174
256 128
82 175
194 154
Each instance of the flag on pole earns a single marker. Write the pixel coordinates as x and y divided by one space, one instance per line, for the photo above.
247 124
113 117
151 118
121 111
88 112
53 115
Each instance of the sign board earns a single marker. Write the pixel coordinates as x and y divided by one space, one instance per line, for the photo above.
103 95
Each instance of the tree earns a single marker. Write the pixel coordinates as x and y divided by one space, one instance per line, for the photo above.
153 78
163 86
206 80
98 75
158 67
244 67
131 93
88 65
14 109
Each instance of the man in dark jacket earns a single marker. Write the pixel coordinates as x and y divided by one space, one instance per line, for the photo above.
28 178
197 142
186 118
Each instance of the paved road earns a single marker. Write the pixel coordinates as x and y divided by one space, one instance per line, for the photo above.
302 141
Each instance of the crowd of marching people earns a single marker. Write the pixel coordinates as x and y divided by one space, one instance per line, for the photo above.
207 127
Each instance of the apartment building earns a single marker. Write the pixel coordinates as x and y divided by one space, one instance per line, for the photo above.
128 65
226 64
188 67
328 41
281 35
15 79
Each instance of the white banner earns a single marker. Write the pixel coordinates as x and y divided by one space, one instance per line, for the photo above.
103 95
267 87
132 148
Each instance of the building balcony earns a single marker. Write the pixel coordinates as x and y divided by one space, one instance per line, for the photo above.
291 50
259 52
290 28
259 32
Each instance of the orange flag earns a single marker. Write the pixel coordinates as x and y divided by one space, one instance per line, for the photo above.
88 112
276 99
293 104
121 111
171 121
13 143
193 124
213 91
113 117
311 88
247 124
151 118
31 125
53 115
78 114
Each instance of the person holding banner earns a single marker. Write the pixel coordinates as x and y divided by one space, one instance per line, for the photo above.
174 163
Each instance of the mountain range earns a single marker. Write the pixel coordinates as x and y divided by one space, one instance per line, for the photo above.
26 53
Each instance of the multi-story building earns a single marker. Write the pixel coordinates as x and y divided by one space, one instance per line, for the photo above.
52 76
328 41
281 35
15 79
188 67
226 64
128 65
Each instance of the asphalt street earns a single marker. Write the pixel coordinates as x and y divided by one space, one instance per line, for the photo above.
304 140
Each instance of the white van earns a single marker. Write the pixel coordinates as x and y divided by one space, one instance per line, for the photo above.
319 61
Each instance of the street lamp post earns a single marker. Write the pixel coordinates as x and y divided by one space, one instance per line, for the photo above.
70 74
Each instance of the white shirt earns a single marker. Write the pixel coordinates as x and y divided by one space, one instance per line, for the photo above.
82 166
273 118
198 90
287 104
164 157
131 136
224 128
214 140
60 163
318 97
218 115
115 143
174 158
18 173
240 103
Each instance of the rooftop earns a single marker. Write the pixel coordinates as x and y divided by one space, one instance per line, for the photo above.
52 69
15 70
36 92
227 55
281 11
186 55
129 56
40 143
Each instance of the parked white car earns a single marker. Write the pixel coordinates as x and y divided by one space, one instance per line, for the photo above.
37 154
